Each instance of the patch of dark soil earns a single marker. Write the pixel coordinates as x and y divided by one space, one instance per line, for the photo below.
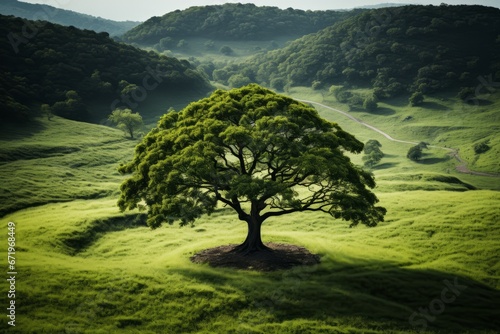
280 256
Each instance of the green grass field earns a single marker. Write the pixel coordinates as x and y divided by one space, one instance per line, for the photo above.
83 267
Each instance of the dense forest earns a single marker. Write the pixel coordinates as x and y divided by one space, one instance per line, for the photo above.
233 22
51 68
410 49
64 17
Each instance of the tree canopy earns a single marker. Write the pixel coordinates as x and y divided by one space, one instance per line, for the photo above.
373 153
260 153
126 120
414 153
234 22
392 50
42 61
65 17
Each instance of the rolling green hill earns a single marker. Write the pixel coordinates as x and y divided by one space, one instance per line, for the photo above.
64 17
231 22
443 121
394 51
67 69
84 267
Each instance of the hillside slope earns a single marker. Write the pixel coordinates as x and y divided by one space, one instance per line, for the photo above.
67 68
84 267
392 50
64 17
233 22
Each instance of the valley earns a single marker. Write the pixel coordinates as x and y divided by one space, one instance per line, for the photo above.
83 266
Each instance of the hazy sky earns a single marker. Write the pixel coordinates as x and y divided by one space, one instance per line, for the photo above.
141 10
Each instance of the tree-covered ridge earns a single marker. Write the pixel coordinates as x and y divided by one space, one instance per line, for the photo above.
233 22
45 63
394 50
64 17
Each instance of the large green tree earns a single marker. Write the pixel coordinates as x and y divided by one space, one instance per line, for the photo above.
262 154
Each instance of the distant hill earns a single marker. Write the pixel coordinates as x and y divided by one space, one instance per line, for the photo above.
392 50
65 68
382 5
64 17
233 22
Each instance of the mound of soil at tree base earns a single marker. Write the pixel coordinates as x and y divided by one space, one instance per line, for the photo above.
280 256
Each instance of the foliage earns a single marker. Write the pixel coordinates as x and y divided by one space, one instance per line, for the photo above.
71 108
416 99
262 154
373 153
64 17
341 94
126 120
239 80
423 145
226 50
384 49
466 93
45 110
355 101
370 104
414 153
316 85
278 84
233 22
41 69
482 147
89 269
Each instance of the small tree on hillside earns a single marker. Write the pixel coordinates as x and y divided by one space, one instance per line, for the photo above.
72 108
373 153
261 154
340 94
226 50
370 104
416 99
414 153
46 111
482 147
316 85
126 120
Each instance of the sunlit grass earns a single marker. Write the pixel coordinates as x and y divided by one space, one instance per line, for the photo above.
370 279
442 121
85 267
59 160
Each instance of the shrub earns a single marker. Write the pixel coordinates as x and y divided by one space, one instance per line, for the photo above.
482 147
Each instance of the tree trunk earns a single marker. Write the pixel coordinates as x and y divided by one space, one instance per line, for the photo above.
253 242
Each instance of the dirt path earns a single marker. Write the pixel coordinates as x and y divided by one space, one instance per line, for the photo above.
462 167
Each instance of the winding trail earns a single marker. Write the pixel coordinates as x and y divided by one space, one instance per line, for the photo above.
462 167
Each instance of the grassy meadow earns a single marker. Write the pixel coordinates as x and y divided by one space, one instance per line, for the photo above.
83 267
